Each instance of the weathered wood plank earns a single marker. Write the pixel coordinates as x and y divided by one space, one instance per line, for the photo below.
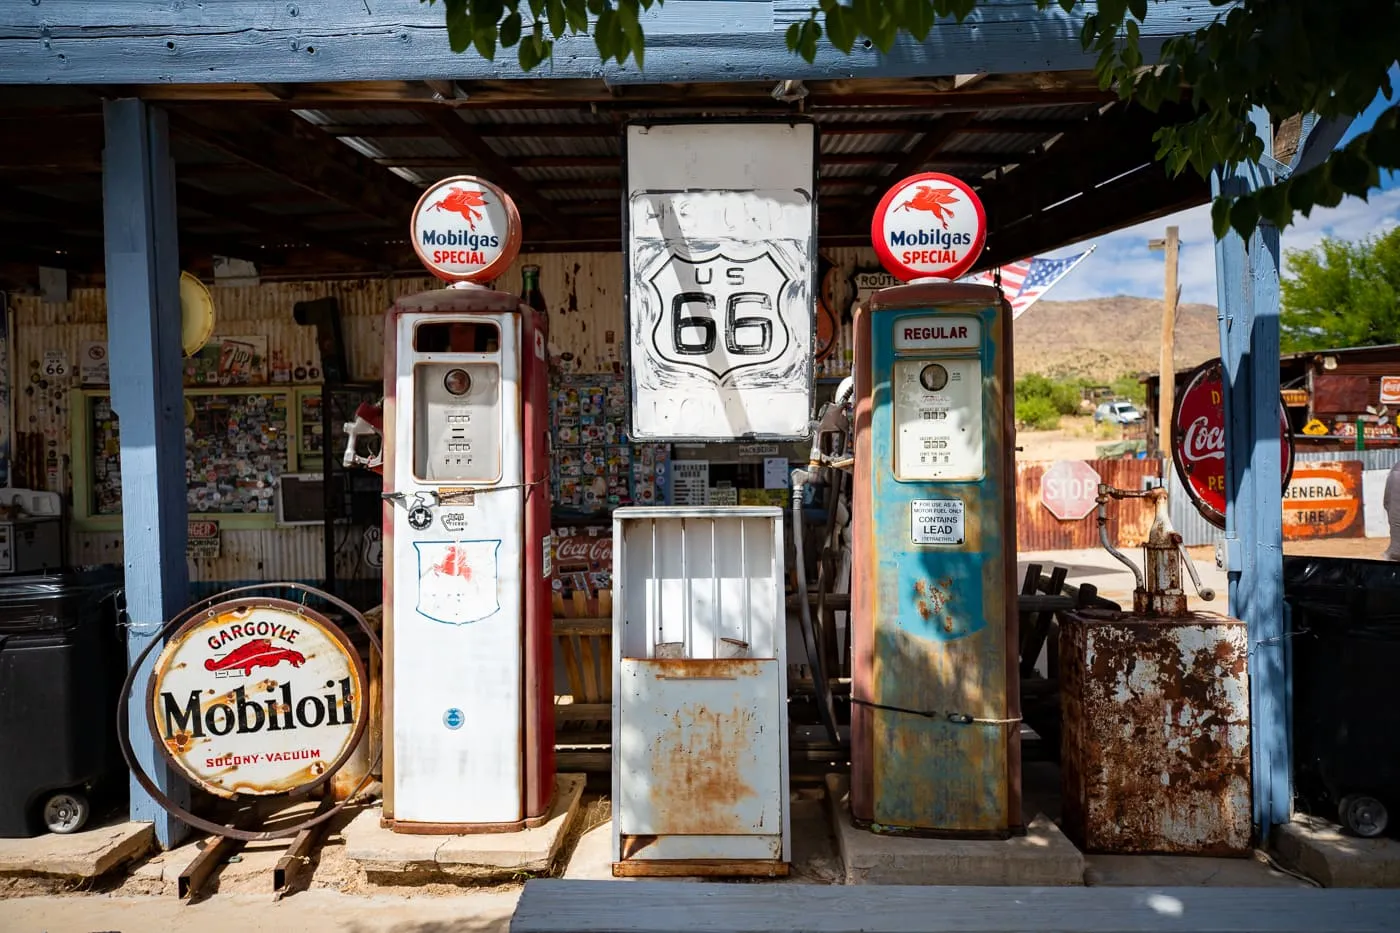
550 906
143 326
274 42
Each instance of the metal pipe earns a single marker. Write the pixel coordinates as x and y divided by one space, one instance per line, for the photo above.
1205 592
809 638
1104 492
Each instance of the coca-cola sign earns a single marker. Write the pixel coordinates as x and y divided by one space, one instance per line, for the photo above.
596 552
257 697
1198 441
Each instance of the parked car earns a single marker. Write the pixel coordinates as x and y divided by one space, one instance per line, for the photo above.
1117 413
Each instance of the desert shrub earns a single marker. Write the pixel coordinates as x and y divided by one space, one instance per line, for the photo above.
1038 413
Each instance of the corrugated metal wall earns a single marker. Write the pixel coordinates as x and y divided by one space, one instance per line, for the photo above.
584 292
1037 529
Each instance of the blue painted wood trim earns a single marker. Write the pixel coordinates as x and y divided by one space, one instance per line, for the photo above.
159 42
143 324
1247 280
1319 137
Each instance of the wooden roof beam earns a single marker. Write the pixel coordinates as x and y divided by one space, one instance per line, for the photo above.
501 170
278 226
288 147
923 151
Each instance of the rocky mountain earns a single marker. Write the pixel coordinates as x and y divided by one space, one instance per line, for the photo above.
1104 338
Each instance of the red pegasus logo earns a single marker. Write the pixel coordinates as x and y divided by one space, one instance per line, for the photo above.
464 202
256 653
936 201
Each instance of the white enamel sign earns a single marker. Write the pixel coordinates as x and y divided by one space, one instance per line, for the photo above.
940 332
938 416
721 240
466 229
257 697
937 521
929 226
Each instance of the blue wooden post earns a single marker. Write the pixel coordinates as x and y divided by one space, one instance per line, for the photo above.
1247 281
143 333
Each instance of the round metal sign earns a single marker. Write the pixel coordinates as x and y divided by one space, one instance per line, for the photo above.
466 229
929 225
1198 441
257 696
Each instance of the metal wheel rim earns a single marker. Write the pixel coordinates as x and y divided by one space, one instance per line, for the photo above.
1367 816
62 811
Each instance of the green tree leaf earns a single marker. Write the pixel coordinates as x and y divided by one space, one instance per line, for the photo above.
510 30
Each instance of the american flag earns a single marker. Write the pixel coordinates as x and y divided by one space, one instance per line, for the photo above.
1026 281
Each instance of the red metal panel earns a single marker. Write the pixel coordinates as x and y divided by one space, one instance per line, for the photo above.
539 618
862 576
1342 395
386 634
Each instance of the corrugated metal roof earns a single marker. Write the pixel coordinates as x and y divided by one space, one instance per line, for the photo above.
570 172
389 147
562 147
380 116
850 143
844 171
577 115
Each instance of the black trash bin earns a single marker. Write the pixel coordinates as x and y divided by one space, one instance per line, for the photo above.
61 661
1346 658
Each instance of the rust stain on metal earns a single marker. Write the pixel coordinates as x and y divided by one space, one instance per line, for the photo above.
1038 530
1156 733
698 774
704 669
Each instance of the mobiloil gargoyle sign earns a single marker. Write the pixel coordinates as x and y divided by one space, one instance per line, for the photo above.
257 696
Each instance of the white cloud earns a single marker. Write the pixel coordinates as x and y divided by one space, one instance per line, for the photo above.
1123 265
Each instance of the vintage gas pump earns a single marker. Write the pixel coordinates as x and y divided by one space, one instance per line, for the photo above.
468 675
935 742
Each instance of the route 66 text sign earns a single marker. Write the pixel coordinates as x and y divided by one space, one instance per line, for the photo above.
722 252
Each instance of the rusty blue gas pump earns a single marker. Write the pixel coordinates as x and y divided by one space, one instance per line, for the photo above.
935 721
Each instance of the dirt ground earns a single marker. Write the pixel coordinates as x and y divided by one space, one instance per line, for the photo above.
1076 439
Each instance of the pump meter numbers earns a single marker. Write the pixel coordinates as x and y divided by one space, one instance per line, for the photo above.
938 432
936 521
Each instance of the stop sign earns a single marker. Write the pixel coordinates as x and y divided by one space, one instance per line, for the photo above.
1068 489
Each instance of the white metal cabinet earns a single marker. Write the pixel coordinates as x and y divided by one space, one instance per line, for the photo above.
700 768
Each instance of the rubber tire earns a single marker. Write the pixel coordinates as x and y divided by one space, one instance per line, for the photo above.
75 812
1352 809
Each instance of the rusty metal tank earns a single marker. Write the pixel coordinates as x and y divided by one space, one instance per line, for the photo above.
1156 727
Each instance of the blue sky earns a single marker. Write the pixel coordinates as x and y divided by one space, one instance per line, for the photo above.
1123 265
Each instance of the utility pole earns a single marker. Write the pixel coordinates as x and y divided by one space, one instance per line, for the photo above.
1166 387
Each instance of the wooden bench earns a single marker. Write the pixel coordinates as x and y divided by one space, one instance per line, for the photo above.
555 906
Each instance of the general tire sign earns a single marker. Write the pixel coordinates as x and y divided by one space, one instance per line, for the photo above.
721 296
257 697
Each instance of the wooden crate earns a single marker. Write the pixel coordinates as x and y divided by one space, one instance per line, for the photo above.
583 639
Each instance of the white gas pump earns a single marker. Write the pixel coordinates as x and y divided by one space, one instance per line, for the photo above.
468 680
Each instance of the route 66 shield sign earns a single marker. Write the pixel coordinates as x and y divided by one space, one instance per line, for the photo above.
720 316
721 291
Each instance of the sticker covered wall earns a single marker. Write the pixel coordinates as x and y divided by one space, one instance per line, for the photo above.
721 239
